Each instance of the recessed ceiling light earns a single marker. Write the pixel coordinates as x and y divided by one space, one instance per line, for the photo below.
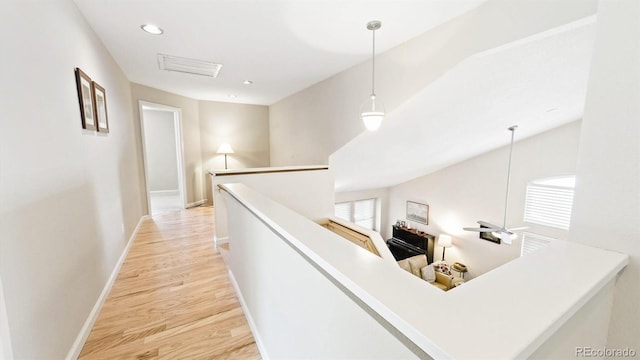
233 96
152 29
247 82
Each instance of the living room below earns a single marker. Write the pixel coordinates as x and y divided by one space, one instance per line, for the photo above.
349 285
459 195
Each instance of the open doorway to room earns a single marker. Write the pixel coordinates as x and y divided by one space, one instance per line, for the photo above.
161 128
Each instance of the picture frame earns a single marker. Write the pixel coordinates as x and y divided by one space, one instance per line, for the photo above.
489 236
85 100
100 107
418 212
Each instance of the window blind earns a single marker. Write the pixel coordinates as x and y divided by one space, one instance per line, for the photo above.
343 211
364 213
548 205
532 242
361 212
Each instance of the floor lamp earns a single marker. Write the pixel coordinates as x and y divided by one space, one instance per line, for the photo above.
225 149
445 241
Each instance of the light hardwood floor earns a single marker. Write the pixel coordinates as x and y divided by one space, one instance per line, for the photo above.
172 298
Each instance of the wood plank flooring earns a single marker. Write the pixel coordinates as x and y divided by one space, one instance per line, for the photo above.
172 298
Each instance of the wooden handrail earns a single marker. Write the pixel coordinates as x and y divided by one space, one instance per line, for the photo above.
249 171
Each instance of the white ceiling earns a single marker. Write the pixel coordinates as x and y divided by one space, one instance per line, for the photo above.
283 46
538 83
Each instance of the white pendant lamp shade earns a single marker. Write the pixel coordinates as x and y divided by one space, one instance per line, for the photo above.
372 113
372 110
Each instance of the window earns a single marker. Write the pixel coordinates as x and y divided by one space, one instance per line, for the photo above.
361 212
532 242
549 202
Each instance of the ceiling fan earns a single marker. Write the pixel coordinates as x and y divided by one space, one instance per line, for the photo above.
505 235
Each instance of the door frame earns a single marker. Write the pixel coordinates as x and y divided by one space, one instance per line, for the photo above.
177 121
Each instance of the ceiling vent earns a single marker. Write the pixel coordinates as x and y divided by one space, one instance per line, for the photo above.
189 66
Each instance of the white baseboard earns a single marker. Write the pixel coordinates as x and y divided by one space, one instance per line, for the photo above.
164 192
247 314
217 241
197 203
74 352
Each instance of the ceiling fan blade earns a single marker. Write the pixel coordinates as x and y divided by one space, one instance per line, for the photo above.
518 229
481 229
506 238
489 225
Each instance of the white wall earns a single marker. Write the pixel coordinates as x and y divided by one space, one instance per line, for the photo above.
5 341
190 137
308 126
267 240
69 198
474 190
301 313
607 202
594 316
206 125
308 192
160 146
244 127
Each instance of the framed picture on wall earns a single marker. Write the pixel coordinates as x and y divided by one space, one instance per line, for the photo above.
85 99
100 106
418 212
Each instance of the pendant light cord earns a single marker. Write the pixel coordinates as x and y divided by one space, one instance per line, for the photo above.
373 65
506 197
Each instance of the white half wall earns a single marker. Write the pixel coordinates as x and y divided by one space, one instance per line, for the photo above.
69 197
607 199
286 298
296 279
473 190
570 340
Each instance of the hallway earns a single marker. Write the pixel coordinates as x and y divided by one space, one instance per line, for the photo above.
172 298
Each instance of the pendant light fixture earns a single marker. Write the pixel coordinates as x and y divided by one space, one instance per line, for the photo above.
372 110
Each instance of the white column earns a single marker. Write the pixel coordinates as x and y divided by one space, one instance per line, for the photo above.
607 200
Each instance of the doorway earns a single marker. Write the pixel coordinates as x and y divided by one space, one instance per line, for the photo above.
161 128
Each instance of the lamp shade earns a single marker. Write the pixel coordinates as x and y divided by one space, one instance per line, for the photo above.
445 240
225 149
372 121
372 113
